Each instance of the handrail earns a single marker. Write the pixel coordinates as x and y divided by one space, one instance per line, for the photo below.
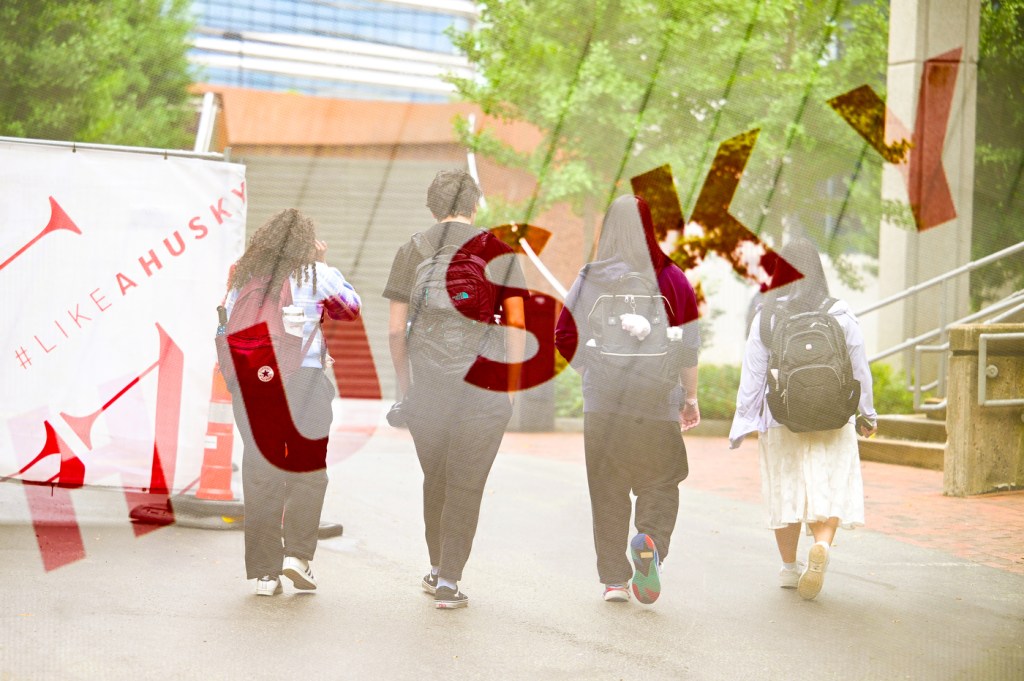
911 342
969 267
1006 313
985 372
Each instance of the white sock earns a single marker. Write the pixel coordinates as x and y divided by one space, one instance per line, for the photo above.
433 570
451 584
790 566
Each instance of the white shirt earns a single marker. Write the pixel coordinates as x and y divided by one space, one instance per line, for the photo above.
752 413
334 296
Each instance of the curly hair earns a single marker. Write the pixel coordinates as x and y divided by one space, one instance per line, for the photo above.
283 245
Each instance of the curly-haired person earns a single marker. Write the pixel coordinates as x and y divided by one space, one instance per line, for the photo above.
285 440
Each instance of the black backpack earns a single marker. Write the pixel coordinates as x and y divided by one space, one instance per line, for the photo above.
451 309
648 369
810 378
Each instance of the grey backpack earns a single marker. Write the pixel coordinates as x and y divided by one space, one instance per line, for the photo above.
810 378
650 366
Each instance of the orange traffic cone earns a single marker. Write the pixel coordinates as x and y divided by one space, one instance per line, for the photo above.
213 506
215 476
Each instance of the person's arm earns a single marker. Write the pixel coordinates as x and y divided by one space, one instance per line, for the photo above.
750 396
867 425
677 289
515 318
339 299
399 348
689 413
567 336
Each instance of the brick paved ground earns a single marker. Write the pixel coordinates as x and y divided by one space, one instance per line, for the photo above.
901 502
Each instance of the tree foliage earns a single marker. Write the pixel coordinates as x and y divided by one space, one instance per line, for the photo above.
112 72
619 87
999 154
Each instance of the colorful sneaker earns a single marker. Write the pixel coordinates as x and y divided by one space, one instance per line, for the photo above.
790 577
268 585
297 570
429 583
616 593
447 598
814 576
646 581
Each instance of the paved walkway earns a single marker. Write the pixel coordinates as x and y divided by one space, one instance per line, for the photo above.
904 599
902 502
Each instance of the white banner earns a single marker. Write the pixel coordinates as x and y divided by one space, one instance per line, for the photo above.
111 267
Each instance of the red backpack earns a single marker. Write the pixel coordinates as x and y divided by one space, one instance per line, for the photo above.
255 352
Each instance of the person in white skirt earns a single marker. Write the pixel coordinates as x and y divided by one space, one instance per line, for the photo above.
811 477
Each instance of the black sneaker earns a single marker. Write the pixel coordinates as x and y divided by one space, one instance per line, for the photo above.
430 583
446 597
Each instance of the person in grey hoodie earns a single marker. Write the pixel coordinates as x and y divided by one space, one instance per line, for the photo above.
632 440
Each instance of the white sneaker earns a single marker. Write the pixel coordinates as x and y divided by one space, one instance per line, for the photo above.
616 593
814 576
790 577
297 570
268 586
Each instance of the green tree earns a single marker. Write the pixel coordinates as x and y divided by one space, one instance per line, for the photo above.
999 151
618 87
113 72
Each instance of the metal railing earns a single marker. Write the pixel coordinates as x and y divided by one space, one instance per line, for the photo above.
987 371
914 348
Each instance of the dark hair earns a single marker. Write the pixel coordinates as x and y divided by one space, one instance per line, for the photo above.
282 245
453 193
808 292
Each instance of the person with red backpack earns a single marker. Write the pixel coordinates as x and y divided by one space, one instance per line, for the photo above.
454 289
805 375
282 395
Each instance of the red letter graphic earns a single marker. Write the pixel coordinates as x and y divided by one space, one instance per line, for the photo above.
930 199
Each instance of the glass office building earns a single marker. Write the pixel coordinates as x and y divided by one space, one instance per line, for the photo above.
361 49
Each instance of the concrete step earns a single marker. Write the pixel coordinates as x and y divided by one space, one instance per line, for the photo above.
903 452
917 427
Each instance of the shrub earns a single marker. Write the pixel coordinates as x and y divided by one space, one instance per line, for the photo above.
889 390
716 391
568 390
717 385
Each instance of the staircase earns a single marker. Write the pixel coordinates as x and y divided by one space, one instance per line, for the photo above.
365 208
920 440
909 440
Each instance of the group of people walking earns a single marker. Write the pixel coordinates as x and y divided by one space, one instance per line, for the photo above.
628 327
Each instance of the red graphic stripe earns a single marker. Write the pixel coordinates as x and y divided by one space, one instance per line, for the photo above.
927 186
721 232
58 220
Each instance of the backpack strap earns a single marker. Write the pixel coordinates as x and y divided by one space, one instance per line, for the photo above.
826 305
423 245
767 311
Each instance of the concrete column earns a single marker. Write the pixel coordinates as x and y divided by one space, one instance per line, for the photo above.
920 30
985 445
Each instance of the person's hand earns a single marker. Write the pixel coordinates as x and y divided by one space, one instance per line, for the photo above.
689 415
321 250
867 430
866 427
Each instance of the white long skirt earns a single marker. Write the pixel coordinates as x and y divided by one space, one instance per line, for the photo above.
811 477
